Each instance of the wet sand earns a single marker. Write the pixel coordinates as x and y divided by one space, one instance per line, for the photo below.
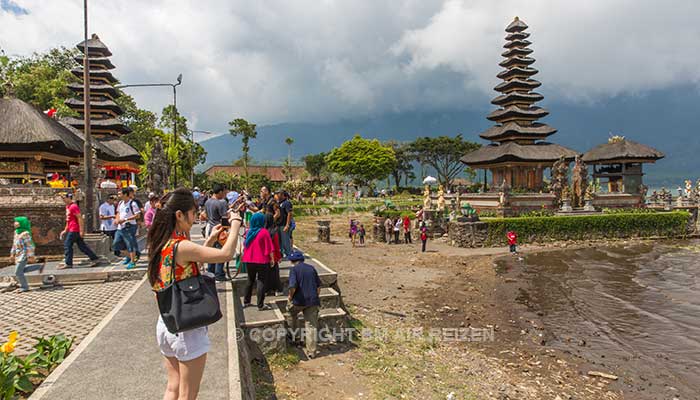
627 309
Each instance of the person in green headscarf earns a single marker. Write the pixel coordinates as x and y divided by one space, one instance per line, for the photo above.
22 252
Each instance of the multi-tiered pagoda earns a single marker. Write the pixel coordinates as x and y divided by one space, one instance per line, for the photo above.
517 156
122 162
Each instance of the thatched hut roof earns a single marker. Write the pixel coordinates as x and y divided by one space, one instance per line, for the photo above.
113 124
78 87
512 151
624 149
511 129
122 151
25 128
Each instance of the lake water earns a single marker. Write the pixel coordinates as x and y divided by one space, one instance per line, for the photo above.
632 310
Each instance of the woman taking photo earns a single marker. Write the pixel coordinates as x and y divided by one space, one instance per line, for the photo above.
185 352
259 259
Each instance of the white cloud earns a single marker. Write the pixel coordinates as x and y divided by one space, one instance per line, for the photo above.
279 61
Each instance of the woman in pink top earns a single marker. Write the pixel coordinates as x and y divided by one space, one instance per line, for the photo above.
258 256
148 217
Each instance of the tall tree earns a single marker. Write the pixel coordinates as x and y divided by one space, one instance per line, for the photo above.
315 165
404 159
443 154
287 169
363 160
246 130
40 79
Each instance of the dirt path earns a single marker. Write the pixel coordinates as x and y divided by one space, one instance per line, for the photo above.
400 295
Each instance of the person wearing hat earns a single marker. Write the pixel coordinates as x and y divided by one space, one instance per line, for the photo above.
304 291
73 233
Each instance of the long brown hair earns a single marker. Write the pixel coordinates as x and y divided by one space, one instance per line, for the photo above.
163 226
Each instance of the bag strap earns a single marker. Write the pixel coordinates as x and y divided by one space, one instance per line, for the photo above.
172 267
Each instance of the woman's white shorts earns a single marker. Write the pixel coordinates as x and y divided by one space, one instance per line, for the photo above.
184 346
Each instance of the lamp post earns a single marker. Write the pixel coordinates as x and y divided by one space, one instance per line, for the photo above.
87 148
173 170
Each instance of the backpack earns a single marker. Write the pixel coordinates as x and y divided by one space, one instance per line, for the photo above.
140 214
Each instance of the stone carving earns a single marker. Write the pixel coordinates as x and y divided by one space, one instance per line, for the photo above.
643 189
441 198
560 180
580 182
427 203
688 189
157 169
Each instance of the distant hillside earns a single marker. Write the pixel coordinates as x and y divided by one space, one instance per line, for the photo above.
668 120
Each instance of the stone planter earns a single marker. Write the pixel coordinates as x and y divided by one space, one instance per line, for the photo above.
324 231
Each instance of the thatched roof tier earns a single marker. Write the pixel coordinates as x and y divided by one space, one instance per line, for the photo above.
102 74
622 150
112 124
507 99
516 113
516 61
517 72
95 89
95 46
514 152
78 105
123 151
516 26
25 128
517 84
516 52
517 36
103 62
512 130
517 43
103 153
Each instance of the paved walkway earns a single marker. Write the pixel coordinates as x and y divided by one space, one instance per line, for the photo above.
120 358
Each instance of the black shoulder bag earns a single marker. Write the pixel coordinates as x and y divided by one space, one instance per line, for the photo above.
190 303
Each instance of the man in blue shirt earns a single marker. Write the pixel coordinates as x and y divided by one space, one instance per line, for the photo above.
304 290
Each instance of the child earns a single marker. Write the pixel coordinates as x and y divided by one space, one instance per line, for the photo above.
423 235
23 252
512 242
362 235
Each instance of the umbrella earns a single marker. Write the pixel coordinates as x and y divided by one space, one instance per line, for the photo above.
429 180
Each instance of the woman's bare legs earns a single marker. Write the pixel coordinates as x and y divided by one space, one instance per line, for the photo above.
190 377
172 368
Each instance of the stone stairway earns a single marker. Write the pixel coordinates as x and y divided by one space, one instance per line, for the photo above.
268 328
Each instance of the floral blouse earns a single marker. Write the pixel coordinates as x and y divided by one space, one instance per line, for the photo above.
22 247
166 265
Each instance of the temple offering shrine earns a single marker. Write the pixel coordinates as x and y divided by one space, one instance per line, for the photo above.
517 155
617 165
120 161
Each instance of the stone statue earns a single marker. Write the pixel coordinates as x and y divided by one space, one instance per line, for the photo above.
688 188
427 203
559 176
643 189
501 199
157 168
580 182
441 198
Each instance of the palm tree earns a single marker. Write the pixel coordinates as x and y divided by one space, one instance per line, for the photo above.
289 142
246 131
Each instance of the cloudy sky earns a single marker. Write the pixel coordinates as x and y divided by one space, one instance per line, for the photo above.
323 60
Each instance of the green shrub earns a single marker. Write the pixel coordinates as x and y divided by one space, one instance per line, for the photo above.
584 227
395 214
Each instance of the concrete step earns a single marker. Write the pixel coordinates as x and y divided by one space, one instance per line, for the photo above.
328 277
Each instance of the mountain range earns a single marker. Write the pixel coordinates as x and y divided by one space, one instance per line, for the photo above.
667 119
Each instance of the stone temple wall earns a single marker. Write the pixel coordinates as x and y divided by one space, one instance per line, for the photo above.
468 234
45 211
